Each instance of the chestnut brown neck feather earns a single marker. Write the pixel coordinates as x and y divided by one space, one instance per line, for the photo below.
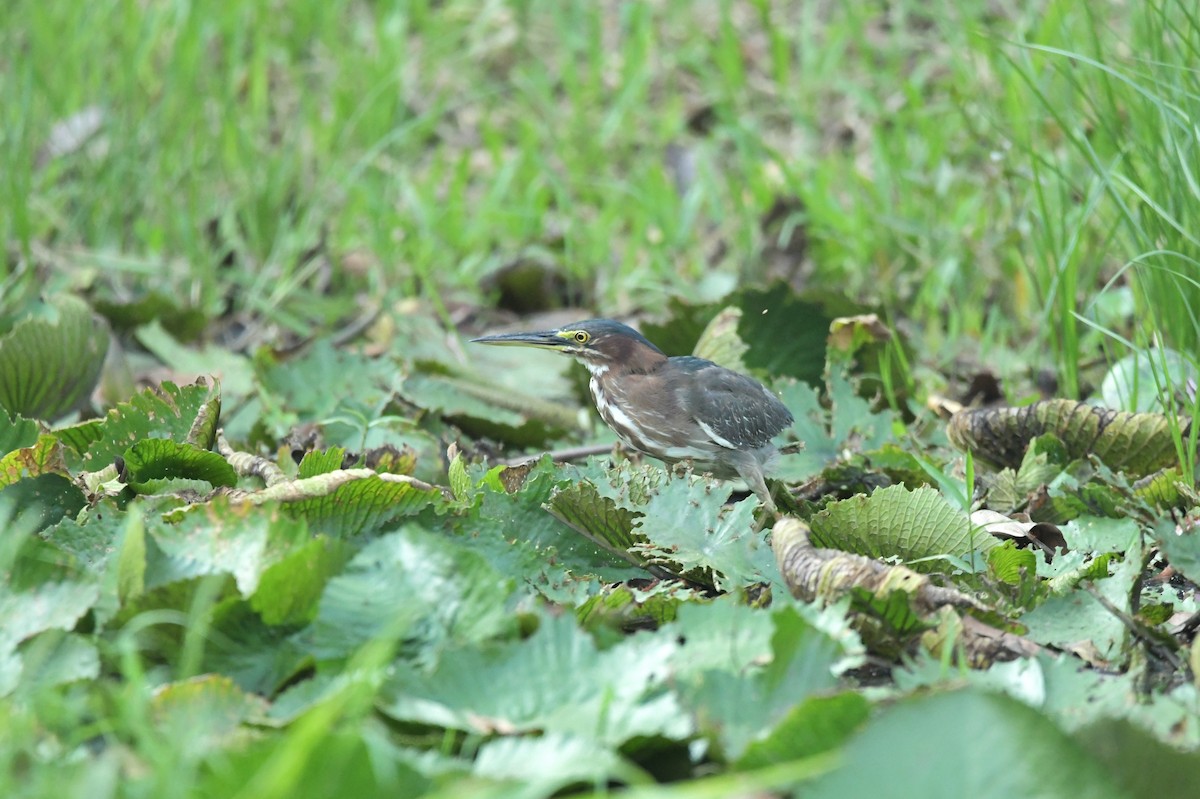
627 356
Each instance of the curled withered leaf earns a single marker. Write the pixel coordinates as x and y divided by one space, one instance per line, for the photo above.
812 573
848 333
1137 443
1019 527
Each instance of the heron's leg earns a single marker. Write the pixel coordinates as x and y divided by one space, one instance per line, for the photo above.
749 468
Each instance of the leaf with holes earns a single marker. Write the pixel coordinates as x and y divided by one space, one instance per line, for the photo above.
169 411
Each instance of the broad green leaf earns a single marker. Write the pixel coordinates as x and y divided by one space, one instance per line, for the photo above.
301 384
259 657
411 586
131 558
168 411
683 524
91 543
317 462
785 333
314 762
460 482
555 681
43 457
516 533
1139 763
56 658
204 713
221 537
1098 534
48 365
688 523
1141 380
478 409
16 432
1078 621
289 589
23 615
1182 549
624 606
817 724
736 708
233 369
344 503
52 496
549 762
1012 565
598 518
722 635
896 522
153 463
965 743
720 342
50 606
848 425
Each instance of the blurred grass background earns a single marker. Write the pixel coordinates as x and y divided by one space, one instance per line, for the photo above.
1010 180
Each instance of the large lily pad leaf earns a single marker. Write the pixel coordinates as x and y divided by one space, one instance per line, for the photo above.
414 587
549 762
298 384
786 334
915 526
48 364
24 614
683 524
290 588
974 738
258 656
50 496
688 523
1083 620
515 531
556 681
56 658
849 424
737 708
814 725
204 712
221 538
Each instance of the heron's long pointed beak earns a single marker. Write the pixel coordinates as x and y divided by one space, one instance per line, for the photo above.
546 339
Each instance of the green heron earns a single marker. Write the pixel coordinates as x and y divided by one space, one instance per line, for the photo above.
674 408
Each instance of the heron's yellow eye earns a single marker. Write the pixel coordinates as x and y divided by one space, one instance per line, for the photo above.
581 336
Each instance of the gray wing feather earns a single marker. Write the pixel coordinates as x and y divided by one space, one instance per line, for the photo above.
737 408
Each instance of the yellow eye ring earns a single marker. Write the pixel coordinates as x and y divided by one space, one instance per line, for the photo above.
581 336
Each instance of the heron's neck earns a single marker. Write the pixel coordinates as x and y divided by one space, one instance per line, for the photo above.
638 362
